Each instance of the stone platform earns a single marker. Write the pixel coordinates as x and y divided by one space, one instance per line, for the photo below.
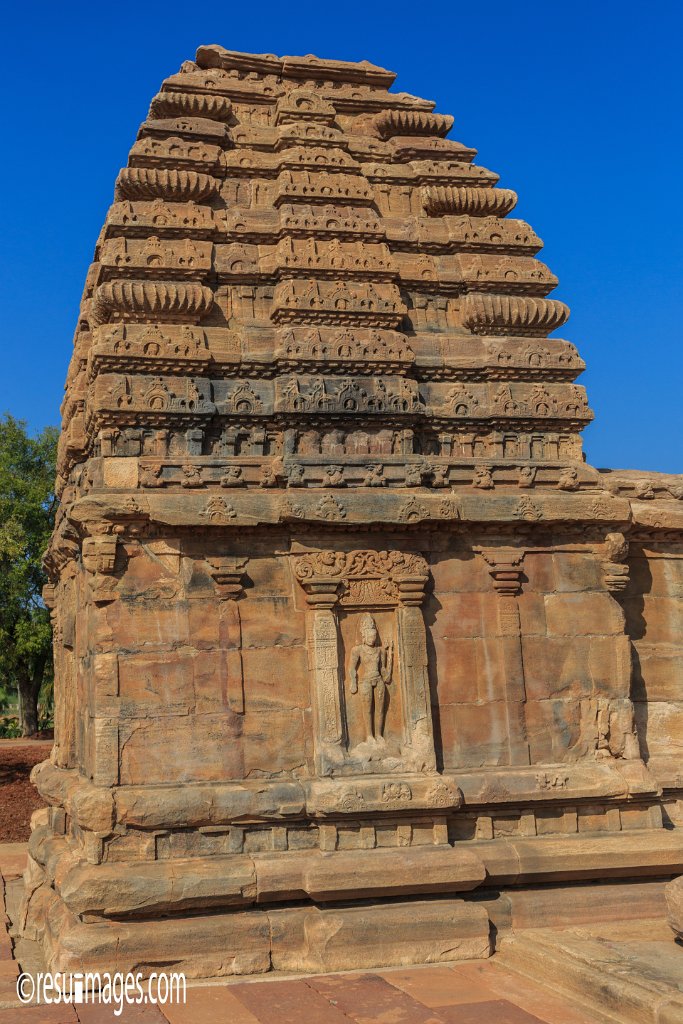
626 972
630 972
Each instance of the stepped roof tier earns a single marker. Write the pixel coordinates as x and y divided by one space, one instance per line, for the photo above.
301 268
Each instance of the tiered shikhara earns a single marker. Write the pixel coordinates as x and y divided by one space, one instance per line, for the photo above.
343 620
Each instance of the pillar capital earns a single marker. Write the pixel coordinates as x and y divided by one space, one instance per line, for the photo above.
322 591
228 575
505 568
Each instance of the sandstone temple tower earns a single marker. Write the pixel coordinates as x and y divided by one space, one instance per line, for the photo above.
358 662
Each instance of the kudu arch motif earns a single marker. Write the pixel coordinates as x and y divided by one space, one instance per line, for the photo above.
344 622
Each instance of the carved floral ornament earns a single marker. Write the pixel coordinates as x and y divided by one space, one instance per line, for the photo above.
365 577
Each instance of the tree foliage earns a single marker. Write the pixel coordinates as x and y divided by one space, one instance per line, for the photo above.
27 508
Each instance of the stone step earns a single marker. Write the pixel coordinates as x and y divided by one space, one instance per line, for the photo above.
630 980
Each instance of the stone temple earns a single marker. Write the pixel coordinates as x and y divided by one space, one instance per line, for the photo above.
358 661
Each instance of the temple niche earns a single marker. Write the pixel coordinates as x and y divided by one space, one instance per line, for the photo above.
358 661
367 643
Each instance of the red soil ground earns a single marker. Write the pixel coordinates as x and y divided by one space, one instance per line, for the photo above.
18 797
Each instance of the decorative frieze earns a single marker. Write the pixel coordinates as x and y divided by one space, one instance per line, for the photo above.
141 218
184 259
333 302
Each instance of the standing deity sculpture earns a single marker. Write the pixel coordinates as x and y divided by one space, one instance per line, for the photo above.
370 668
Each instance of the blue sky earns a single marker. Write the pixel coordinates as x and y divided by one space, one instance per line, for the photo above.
576 105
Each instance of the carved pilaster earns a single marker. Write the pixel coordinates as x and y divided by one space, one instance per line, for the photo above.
412 651
505 570
228 576
325 654
617 734
323 651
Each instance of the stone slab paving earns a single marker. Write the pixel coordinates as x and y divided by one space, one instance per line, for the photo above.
477 992
12 860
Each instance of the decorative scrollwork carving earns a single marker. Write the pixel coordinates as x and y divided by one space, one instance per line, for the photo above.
358 564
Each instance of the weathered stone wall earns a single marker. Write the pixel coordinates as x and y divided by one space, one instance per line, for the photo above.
573 655
164 703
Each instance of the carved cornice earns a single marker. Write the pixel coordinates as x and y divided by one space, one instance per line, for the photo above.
185 128
309 68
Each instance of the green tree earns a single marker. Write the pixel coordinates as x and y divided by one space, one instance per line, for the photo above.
27 509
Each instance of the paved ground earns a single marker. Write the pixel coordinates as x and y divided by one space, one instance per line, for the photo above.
477 992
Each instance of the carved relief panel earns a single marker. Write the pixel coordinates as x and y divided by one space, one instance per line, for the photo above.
368 661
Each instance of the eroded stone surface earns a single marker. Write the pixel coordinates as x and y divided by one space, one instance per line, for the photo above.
674 905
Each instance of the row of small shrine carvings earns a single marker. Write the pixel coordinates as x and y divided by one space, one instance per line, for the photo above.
249 442
183 347
460 230
328 303
303 393
291 258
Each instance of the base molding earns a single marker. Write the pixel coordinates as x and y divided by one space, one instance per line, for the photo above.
308 939
191 885
390 908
